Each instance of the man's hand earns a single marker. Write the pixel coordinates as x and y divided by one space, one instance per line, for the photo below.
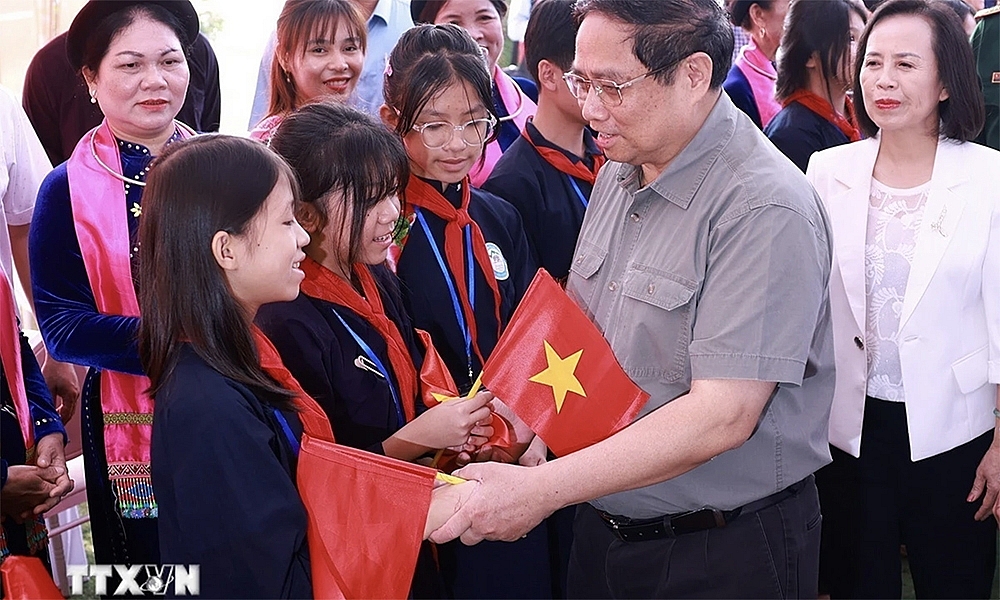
506 505
50 456
27 487
64 385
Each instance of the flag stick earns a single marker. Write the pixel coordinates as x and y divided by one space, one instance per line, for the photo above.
437 457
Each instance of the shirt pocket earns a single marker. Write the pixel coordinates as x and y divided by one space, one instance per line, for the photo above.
656 325
972 370
587 259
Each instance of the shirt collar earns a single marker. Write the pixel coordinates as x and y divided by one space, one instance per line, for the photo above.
589 145
383 10
679 182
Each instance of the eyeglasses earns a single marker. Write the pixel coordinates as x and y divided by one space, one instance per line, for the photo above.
438 134
580 87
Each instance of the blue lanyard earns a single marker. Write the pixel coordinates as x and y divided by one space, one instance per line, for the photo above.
579 192
400 419
292 440
455 303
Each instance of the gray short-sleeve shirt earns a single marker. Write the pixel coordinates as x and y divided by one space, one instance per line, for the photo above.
718 269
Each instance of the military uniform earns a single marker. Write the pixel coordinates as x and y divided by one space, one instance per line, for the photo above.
986 48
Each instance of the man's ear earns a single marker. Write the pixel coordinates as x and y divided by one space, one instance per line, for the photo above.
696 71
388 116
549 75
224 251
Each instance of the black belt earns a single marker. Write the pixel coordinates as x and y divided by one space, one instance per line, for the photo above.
668 526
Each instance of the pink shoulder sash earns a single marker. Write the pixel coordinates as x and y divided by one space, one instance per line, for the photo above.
99 218
519 106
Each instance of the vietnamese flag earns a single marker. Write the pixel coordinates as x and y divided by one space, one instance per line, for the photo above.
437 385
554 368
366 519
366 512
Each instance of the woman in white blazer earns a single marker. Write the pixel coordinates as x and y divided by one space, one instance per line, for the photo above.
915 300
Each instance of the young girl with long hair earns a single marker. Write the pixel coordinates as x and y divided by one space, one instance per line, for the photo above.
347 337
464 262
814 77
220 239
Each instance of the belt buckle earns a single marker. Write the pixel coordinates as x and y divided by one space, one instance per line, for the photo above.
697 520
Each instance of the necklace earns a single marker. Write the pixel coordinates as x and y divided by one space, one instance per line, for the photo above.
117 175
517 111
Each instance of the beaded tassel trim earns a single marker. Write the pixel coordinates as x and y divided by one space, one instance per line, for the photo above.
134 497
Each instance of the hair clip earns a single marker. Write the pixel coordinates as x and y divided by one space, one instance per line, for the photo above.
388 68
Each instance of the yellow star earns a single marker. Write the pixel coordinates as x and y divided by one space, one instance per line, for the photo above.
560 375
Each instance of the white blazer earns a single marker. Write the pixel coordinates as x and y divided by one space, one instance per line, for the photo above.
949 337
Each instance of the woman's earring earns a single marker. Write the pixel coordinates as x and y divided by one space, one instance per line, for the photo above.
763 33
93 96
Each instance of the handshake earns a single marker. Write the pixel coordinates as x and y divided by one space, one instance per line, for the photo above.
31 490
477 508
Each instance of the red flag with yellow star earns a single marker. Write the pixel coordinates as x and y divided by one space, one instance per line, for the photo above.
554 368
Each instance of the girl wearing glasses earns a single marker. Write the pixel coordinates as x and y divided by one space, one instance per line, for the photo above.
319 54
513 98
464 262
347 338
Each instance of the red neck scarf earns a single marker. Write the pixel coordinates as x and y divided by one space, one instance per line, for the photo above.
321 283
314 420
10 355
822 107
420 193
563 164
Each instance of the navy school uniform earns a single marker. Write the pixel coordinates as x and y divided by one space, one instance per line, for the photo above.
799 132
224 471
489 569
426 293
323 356
551 203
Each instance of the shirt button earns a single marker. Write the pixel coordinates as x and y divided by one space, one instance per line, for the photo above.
613 286
859 342
635 217
651 289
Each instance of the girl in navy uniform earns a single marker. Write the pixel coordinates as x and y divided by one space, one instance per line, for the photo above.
464 263
347 337
220 239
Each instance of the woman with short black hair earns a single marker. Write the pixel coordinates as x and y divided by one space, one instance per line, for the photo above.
915 306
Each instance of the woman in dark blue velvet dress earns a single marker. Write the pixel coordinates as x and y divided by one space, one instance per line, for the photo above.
84 251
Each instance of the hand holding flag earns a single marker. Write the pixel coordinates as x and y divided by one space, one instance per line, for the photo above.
554 368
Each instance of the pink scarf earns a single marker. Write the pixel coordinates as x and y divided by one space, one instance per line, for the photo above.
518 105
101 228
10 356
761 75
264 130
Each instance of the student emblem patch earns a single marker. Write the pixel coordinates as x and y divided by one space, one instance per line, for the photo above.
499 263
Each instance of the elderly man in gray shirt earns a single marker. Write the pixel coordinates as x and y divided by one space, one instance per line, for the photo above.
704 258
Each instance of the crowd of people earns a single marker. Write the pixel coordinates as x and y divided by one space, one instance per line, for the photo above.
787 246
